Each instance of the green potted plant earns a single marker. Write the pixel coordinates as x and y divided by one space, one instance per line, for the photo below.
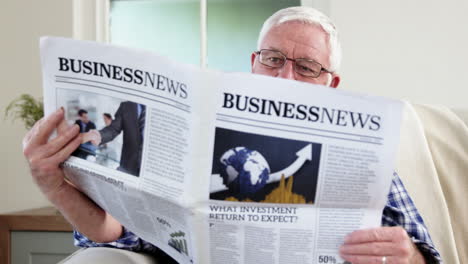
26 108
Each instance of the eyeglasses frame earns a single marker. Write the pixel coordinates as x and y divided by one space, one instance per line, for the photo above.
322 69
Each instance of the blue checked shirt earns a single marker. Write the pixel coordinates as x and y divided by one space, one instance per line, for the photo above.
399 211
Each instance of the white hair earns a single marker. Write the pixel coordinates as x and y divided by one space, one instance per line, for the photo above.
307 15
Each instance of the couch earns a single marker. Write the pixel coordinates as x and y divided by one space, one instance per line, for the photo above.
433 163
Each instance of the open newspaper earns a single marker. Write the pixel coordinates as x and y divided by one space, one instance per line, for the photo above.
218 167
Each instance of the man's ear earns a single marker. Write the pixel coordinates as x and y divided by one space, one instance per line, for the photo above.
335 80
252 60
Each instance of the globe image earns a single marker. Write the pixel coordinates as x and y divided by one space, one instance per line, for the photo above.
243 170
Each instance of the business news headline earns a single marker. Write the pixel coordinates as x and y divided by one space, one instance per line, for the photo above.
124 74
310 113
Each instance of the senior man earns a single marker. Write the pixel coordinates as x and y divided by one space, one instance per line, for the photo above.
297 43
300 43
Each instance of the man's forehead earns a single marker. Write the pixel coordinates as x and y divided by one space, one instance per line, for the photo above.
297 39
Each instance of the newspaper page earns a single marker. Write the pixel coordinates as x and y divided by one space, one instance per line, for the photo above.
295 169
222 168
140 165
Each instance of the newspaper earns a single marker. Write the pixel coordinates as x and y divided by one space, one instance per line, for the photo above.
216 167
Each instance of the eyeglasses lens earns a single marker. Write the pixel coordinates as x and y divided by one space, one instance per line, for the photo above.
276 59
272 58
307 68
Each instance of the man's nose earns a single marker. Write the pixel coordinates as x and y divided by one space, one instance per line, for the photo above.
287 71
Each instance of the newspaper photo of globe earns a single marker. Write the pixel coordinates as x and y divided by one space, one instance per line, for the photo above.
243 170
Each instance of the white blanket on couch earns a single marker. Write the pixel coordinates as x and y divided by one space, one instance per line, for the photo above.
433 164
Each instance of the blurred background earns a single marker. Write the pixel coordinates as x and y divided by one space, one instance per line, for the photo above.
415 50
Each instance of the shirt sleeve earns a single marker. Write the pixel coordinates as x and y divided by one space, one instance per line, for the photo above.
401 211
127 241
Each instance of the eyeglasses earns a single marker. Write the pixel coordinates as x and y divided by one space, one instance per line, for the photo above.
276 59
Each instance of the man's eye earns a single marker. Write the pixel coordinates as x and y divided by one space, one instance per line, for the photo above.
305 69
275 60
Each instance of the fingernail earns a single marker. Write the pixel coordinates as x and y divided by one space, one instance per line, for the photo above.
63 109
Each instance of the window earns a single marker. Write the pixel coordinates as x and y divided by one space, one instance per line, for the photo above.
168 27
232 30
172 28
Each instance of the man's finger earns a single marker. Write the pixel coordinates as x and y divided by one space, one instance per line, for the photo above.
376 249
60 141
62 127
27 138
381 234
45 128
65 152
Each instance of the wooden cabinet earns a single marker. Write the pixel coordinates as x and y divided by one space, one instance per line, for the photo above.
35 236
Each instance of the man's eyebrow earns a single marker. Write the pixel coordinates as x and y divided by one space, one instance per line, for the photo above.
276 49
301 57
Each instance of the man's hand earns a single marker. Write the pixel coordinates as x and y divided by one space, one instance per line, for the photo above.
44 156
93 135
369 246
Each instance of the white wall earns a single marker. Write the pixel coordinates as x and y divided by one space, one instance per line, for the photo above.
22 22
414 49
